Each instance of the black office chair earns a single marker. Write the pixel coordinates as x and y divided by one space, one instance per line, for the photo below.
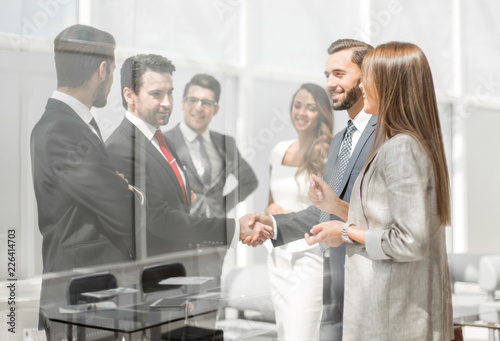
153 274
150 277
88 283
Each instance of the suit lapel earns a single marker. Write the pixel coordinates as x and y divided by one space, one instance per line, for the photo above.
141 143
218 142
187 186
220 145
54 104
177 139
369 130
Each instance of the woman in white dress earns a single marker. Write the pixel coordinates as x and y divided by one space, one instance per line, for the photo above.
296 269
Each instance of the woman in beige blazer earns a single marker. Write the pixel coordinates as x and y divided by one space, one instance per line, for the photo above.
397 284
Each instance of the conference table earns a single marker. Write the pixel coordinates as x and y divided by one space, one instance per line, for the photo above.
132 317
137 321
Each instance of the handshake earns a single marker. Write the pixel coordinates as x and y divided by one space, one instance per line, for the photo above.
255 229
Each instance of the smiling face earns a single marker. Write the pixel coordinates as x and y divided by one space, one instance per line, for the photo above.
198 116
305 116
343 78
154 102
370 97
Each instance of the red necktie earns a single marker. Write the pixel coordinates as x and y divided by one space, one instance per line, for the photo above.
171 161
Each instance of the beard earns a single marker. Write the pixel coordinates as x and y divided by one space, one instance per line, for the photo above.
352 96
101 97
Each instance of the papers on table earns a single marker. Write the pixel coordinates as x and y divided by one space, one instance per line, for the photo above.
210 296
170 303
87 307
186 280
109 293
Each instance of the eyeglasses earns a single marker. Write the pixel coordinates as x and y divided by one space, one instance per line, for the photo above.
207 103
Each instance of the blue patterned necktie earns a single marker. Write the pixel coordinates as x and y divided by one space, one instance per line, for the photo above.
206 177
340 165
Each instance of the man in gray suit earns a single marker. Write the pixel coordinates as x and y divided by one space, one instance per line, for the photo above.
211 159
343 73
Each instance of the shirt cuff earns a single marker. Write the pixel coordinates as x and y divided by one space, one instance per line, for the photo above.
236 236
275 229
373 243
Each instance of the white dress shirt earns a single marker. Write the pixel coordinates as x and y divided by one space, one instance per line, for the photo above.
193 146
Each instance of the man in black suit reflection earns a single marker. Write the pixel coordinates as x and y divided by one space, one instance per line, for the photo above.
85 209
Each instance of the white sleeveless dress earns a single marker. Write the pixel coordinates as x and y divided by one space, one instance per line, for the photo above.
295 269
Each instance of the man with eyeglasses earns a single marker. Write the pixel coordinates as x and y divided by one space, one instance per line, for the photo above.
212 160
219 177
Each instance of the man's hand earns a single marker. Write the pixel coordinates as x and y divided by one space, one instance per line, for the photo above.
121 175
328 233
322 196
255 230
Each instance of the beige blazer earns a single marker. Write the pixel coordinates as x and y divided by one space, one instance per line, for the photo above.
397 286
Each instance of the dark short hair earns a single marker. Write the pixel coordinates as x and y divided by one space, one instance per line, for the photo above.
135 67
205 81
78 52
359 49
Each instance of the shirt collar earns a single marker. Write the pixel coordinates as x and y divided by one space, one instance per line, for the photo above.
191 135
361 120
147 129
77 106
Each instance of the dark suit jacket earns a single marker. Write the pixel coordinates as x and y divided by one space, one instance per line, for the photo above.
293 226
233 163
170 227
84 208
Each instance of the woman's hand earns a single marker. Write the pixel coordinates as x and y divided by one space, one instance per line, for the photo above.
274 209
322 195
327 233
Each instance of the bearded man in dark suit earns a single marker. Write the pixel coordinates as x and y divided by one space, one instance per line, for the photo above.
85 209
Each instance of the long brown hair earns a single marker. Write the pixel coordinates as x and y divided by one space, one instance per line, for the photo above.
315 157
399 74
